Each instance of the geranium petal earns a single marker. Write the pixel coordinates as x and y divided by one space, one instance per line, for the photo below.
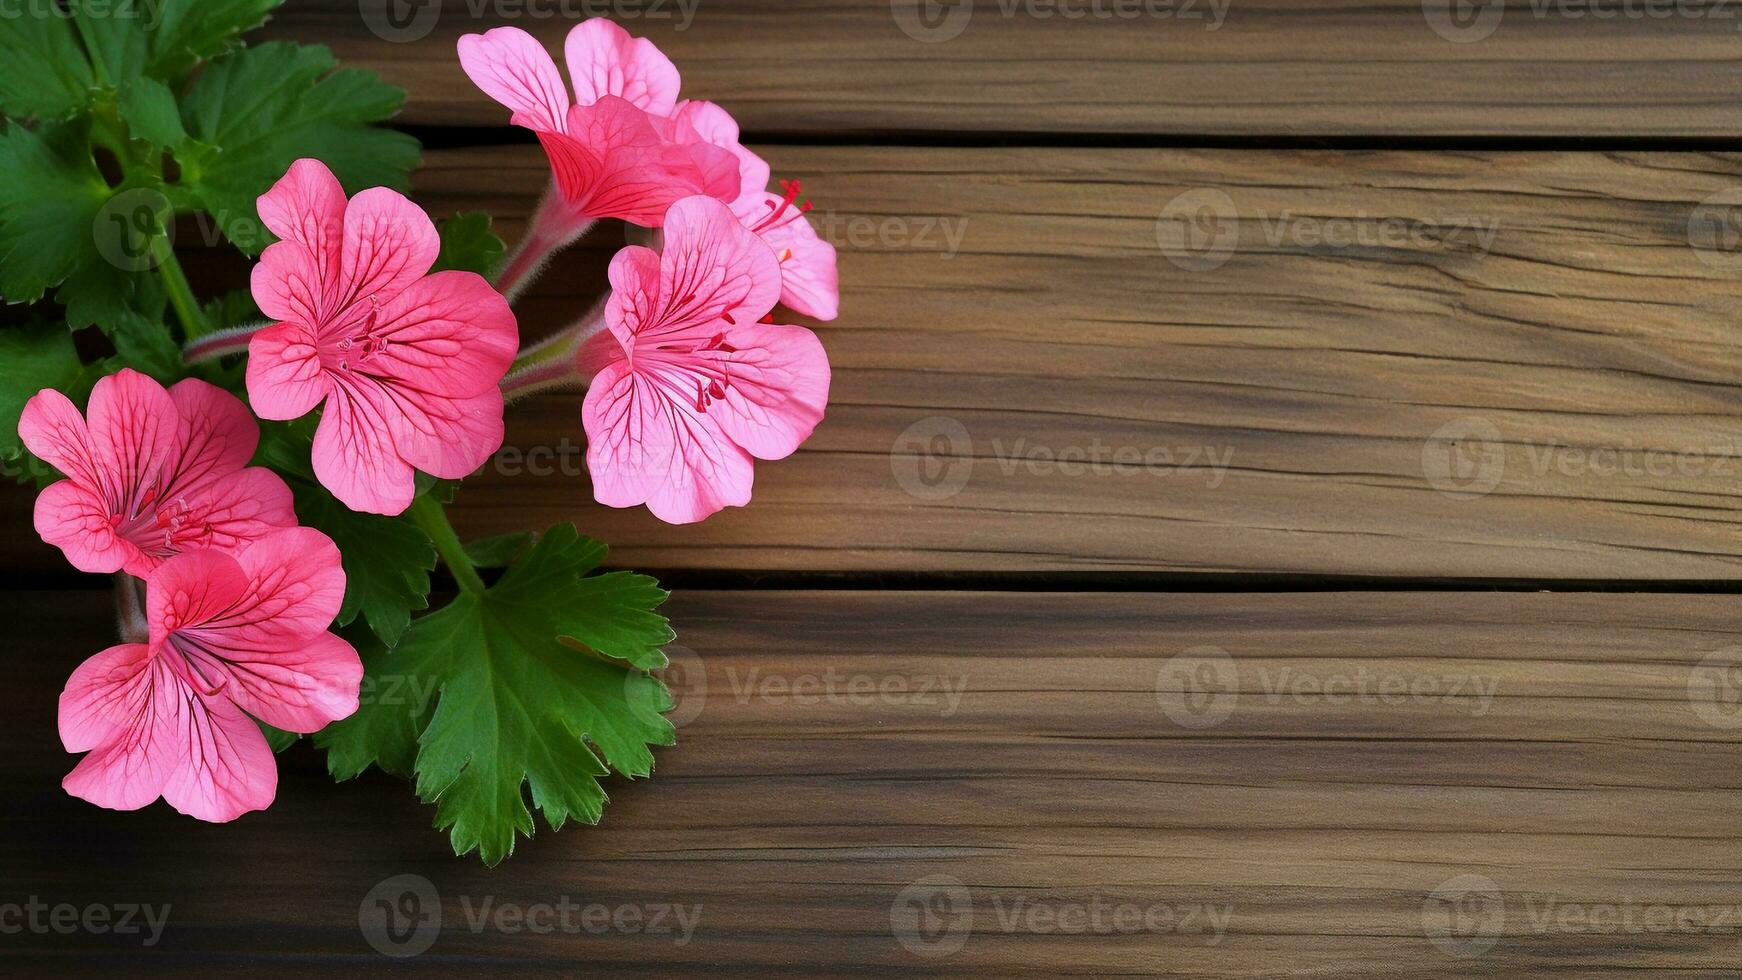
52 428
515 70
75 520
233 512
305 208
390 243
190 590
354 456
447 334
285 379
711 268
647 444
447 437
635 299
219 436
300 686
809 283
134 429
716 126
227 769
778 387
605 60
127 708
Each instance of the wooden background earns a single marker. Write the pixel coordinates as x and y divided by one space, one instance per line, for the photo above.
1390 631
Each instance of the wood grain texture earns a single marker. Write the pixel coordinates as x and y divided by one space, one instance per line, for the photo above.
1385 330
1548 744
1163 67
1586 338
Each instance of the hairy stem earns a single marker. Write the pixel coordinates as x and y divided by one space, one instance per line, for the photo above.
551 229
563 343
548 375
427 513
219 343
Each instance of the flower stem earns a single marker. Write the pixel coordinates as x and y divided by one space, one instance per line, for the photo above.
547 375
552 228
215 345
427 513
130 609
181 295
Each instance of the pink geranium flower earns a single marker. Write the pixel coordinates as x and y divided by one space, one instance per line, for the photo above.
694 386
406 362
809 283
151 473
618 151
231 635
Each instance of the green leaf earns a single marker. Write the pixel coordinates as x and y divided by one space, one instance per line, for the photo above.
277 738
49 199
387 561
542 683
253 113
33 357
392 709
163 38
46 75
468 244
148 108
498 551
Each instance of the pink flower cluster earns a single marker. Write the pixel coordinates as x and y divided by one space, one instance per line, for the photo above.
238 598
693 379
689 380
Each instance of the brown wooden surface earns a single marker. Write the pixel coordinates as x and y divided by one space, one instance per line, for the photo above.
1588 777
1320 375
1575 750
1022 294
1274 67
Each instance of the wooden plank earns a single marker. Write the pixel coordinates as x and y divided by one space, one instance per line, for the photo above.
842 754
1301 408
1162 67
1305 406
